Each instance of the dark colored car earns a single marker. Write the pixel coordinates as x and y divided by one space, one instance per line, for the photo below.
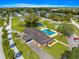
12 45
18 54
76 38
28 40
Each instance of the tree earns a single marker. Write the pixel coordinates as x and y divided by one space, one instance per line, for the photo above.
4 36
30 10
66 29
7 21
51 15
74 54
43 13
48 24
31 20
68 16
54 17
11 54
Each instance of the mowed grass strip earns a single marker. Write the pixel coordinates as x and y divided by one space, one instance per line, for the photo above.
1 22
25 49
56 50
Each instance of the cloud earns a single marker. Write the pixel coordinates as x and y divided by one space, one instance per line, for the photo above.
33 5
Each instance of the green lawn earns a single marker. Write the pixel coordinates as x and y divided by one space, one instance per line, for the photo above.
61 38
25 49
17 24
1 22
56 50
76 30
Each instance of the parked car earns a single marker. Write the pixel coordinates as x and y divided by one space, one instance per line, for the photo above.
76 38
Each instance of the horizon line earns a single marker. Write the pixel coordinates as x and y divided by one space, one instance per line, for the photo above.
32 5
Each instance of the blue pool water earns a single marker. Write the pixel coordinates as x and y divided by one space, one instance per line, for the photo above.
47 32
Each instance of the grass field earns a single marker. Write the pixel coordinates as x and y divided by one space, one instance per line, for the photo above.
61 38
26 50
1 22
56 50
17 24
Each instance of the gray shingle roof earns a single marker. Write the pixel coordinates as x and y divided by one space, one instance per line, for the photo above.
37 35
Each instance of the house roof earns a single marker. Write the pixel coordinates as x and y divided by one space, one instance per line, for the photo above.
37 35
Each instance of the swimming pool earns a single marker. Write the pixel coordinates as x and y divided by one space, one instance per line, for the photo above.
48 32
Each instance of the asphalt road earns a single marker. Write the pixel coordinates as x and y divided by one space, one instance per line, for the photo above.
1 48
42 54
74 23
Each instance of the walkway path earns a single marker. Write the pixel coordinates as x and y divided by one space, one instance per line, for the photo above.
61 42
1 48
40 52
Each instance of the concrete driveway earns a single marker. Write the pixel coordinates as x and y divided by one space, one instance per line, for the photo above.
42 54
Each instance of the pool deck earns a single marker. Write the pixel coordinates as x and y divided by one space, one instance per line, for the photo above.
42 28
